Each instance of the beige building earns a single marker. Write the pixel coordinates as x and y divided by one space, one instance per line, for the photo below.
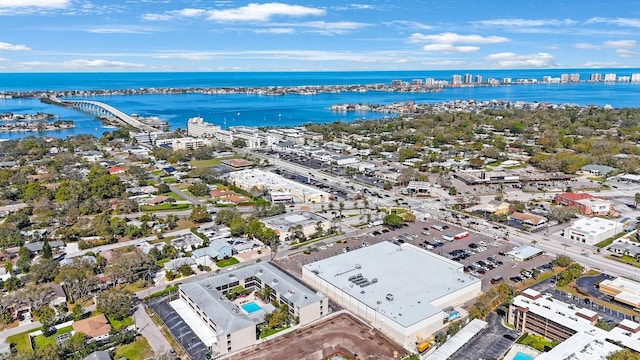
307 221
226 326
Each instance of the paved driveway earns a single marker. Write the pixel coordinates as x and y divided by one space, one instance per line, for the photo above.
488 344
181 332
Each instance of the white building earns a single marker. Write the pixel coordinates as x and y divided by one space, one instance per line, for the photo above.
226 326
592 230
185 143
197 127
307 220
394 288
258 179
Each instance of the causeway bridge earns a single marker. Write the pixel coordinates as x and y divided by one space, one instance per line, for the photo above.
101 109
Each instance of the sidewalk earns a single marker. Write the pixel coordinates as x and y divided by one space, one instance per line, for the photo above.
17 330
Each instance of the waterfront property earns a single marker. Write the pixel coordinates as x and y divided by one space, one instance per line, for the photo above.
400 290
225 310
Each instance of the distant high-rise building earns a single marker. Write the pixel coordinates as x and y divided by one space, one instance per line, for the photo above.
493 81
635 77
456 79
416 82
596 77
429 81
574 78
478 79
506 80
467 78
564 78
546 79
610 77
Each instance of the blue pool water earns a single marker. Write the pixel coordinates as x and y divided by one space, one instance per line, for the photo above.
522 356
252 307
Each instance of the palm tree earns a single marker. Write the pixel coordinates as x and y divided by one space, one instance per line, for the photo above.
637 199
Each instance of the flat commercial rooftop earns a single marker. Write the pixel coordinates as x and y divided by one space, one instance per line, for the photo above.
458 340
403 281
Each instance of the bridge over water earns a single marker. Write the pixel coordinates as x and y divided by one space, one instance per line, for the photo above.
101 109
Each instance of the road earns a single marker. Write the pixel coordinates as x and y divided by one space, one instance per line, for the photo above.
133 242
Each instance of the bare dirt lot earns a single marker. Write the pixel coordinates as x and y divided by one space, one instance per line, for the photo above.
341 333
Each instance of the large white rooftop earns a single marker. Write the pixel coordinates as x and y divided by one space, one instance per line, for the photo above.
402 282
595 225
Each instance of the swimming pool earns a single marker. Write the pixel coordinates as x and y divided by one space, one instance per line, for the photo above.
522 356
251 307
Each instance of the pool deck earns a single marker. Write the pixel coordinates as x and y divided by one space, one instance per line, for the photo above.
523 349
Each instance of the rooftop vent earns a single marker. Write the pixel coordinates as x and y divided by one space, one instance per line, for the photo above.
358 266
389 297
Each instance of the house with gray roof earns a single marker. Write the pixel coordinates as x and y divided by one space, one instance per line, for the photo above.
598 169
217 250
98 355
226 326
36 246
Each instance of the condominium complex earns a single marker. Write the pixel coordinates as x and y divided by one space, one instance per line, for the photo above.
541 314
226 326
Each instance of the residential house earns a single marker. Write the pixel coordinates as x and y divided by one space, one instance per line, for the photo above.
95 328
116 170
98 355
175 264
217 250
158 200
36 246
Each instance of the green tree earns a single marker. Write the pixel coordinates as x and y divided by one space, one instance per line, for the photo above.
12 284
393 221
239 143
115 303
77 312
46 250
199 215
625 354
47 317
199 189
24 260
163 189
185 270
44 271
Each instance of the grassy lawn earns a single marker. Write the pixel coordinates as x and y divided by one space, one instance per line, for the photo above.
165 207
137 350
268 332
211 162
119 324
169 180
630 260
22 341
173 195
227 262
42 341
537 342
164 240
607 242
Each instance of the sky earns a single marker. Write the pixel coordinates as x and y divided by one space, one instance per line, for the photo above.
315 35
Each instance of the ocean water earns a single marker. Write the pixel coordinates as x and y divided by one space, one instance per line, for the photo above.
290 110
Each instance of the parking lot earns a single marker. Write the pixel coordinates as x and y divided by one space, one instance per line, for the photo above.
181 332
481 255
490 343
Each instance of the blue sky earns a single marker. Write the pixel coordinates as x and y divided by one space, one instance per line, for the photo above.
229 35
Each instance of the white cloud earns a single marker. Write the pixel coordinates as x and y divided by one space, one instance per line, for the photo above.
408 24
620 44
626 53
276 31
186 55
330 28
448 48
512 60
189 12
444 63
263 12
157 17
453 38
629 22
80 64
118 30
527 22
12 47
600 65
58 4
586 46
